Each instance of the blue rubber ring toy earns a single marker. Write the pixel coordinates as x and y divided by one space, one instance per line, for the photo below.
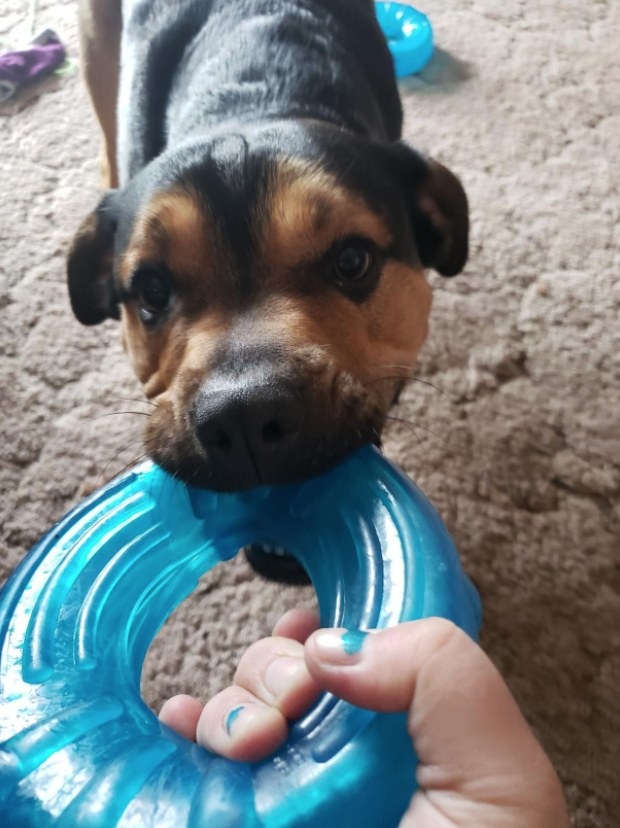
409 35
79 746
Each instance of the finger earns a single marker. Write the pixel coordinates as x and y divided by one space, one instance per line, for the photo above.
466 727
274 671
237 725
297 624
182 713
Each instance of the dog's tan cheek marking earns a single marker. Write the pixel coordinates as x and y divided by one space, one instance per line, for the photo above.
378 338
184 365
143 350
173 229
397 317
154 354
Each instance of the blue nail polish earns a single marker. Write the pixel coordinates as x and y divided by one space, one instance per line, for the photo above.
352 641
232 715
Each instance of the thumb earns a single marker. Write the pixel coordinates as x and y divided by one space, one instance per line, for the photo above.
470 737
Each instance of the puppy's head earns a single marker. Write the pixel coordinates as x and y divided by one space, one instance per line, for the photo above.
272 294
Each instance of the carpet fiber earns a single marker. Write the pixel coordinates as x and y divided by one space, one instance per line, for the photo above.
514 430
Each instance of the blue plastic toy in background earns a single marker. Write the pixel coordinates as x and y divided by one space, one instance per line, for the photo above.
409 35
78 745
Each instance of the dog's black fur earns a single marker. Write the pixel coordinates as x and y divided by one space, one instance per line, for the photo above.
213 93
199 67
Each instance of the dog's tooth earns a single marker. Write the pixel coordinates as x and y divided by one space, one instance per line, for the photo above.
280 551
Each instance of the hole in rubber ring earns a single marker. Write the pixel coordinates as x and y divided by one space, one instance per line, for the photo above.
198 648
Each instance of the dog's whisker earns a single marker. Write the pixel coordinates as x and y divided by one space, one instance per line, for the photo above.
409 425
141 401
406 379
429 384
145 444
116 413
102 477
132 463
413 426
396 366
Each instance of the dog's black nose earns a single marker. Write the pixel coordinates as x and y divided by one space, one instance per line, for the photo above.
249 433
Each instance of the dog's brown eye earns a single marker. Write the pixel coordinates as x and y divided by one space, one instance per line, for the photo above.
355 265
152 289
352 263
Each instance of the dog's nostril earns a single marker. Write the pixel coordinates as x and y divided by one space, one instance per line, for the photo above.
272 432
222 440
250 435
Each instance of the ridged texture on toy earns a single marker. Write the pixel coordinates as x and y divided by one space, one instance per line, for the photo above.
78 746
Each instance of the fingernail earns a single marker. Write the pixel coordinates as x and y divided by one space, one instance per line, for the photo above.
231 716
340 648
282 673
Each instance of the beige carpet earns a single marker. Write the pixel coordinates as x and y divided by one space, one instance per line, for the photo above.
517 440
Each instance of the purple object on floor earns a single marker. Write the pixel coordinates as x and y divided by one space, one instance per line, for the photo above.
17 69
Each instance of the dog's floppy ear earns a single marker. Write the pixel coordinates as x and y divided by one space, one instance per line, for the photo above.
438 210
90 266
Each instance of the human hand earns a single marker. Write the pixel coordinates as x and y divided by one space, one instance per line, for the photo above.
479 763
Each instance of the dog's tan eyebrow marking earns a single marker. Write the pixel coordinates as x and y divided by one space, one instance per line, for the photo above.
176 229
307 210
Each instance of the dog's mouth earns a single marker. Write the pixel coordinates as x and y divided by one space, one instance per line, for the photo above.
216 468
233 436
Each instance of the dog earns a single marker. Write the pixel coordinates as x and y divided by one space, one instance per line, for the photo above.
265 233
